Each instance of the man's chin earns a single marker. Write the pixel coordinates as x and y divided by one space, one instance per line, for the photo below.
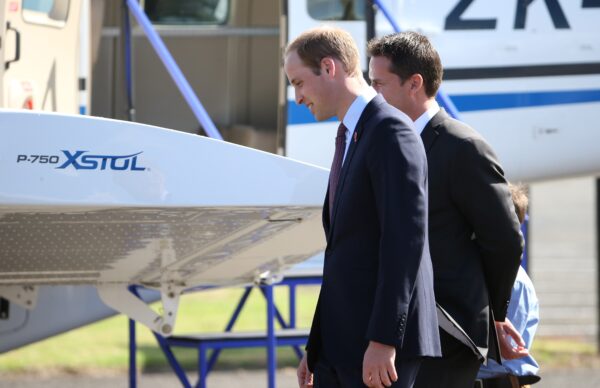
322 117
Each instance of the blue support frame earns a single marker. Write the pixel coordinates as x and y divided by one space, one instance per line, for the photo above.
202 367
163 345
205 364
271 341
132 355
236 313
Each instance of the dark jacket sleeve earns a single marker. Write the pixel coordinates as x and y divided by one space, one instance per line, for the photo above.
481 192
397 167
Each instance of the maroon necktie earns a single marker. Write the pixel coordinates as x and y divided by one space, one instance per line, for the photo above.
336 165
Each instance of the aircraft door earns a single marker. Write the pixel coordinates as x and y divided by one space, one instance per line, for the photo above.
306 139
3 12
40 55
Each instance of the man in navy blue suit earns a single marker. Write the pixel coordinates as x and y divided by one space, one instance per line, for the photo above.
375 319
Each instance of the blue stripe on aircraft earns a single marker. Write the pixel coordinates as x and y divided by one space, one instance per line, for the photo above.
299 114
477 102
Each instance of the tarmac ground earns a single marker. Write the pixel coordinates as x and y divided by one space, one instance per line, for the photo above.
286 378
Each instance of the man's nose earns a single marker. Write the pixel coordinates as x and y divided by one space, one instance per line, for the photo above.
299 98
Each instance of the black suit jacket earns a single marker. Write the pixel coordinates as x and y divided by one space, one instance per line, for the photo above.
475 237
377 275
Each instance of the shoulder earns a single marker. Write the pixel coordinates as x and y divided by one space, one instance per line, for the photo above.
389 133
386 118
463 140
378 109
456 131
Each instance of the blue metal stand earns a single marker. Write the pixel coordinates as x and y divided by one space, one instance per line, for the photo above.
271 351
132 347
177 368
236 313
132 355
269 340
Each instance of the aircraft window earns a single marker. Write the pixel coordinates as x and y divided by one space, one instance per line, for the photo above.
47 12
337 9
187 11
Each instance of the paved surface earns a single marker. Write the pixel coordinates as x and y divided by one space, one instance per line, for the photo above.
248 379
257 379
562 253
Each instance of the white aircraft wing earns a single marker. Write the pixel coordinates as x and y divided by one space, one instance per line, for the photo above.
109 203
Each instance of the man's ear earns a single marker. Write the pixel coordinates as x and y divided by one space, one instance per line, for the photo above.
328 66
416 83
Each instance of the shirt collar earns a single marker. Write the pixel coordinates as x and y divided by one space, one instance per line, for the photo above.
358 106
422 121
354 112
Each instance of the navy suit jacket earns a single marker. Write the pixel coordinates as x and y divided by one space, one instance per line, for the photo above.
377 276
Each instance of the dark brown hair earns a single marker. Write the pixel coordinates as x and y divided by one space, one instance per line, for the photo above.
410 53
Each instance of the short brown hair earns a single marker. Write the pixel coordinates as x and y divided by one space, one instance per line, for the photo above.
318 43
520 200
410 53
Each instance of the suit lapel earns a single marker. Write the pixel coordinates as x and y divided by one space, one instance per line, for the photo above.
354 142
430 132
325 216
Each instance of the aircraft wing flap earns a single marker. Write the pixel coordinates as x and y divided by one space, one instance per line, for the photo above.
88 201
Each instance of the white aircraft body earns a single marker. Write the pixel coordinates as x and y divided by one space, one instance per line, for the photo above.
525 74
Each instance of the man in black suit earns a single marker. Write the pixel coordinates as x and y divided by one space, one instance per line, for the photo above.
475 238
375 319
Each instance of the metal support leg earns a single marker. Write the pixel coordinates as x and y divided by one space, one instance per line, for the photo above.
216 352
163 345
276 314
173 361
202 367
132 355
271 340
282 321
292 320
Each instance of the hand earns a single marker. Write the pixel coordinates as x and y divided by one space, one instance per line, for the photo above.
305 377
378 365
506 331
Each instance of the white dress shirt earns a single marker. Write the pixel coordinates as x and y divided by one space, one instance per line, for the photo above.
422 121
353 114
